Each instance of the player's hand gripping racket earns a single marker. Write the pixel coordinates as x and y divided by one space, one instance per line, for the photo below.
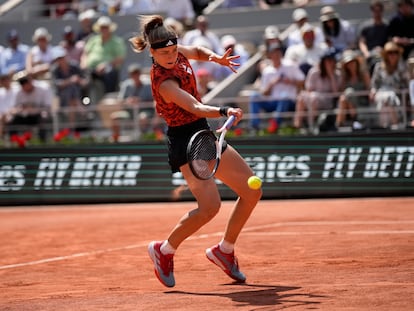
204 151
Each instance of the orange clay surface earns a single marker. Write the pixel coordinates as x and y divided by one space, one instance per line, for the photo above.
330 254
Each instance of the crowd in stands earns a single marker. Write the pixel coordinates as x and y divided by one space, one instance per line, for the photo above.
331 66
347 68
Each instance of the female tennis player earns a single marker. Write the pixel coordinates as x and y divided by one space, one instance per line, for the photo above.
178 102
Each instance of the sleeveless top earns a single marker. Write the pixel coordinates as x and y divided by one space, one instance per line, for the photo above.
183 73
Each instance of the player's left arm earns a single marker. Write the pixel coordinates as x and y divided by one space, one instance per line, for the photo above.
201 53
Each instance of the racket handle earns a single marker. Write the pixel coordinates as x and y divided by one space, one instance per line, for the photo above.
229 122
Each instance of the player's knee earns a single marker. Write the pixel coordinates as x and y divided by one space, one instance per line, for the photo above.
208 213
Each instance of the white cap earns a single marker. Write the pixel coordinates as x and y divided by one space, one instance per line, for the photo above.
58 52
271 32
88 14
41 32
299 14
228 40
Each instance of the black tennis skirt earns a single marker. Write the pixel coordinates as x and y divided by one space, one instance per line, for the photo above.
177 141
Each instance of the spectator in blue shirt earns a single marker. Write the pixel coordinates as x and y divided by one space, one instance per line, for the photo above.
13 58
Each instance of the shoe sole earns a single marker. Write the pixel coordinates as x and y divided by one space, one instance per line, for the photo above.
210 256
151 253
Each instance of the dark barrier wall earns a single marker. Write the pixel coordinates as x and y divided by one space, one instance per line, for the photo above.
291 167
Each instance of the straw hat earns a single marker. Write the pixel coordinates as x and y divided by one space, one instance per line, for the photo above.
328 13
104 21
41 32
391 47
349 56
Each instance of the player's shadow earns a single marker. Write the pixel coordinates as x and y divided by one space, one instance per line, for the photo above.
264 295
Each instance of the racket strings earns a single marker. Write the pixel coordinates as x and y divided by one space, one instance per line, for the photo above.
202 155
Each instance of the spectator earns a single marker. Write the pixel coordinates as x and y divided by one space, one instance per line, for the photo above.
13 58
389 78
293 34
103 57
321 85
39 57
401 27
32 108
136 96
181 10
271 35
7 99
373 34
280 84
86 19
339 33
69 81
356 80
202 31
308 53
74 48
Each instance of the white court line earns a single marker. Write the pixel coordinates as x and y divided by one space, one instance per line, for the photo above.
249 230
362 232
331 223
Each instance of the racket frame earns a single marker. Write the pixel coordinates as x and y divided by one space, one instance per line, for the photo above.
219 146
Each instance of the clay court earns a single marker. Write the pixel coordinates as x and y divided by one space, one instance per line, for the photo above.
327 254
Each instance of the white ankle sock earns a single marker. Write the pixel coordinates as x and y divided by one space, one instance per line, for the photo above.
226 247
166 248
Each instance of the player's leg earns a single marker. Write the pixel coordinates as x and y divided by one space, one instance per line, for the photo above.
234 172
208 205
162 252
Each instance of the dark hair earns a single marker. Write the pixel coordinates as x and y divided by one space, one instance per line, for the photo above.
322 62
334 32
153 31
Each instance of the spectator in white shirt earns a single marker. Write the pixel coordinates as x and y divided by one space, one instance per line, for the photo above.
293 34
32 107
307 53
39 57
280 83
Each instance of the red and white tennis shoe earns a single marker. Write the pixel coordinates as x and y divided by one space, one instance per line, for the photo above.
163 264
227 262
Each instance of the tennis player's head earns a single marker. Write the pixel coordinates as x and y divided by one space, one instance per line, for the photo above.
160 38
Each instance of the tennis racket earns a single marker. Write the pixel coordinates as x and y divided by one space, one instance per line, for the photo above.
204 151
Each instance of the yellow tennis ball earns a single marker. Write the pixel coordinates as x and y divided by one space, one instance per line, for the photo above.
254 182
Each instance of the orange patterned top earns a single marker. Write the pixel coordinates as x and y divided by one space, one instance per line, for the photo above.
183 73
